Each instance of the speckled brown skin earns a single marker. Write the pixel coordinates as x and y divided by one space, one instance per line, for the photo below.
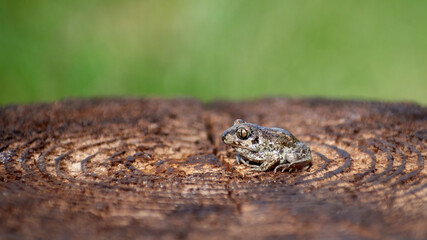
269 147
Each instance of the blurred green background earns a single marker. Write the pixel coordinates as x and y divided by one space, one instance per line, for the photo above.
209 49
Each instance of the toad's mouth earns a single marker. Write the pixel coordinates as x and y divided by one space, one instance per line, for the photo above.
230 141
244 147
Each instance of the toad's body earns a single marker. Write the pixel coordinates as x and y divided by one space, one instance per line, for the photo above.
268 147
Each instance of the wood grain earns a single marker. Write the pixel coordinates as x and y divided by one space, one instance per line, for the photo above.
156 168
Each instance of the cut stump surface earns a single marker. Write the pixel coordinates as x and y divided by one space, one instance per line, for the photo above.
154 168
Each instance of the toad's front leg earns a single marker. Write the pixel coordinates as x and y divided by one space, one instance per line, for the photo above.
265 165
240 159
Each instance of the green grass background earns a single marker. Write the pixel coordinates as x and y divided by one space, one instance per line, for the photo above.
213 49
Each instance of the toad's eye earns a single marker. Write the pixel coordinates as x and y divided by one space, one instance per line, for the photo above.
243 133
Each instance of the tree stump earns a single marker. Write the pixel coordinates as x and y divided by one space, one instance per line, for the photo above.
155 168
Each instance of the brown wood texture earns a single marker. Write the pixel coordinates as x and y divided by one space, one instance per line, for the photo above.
157 169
